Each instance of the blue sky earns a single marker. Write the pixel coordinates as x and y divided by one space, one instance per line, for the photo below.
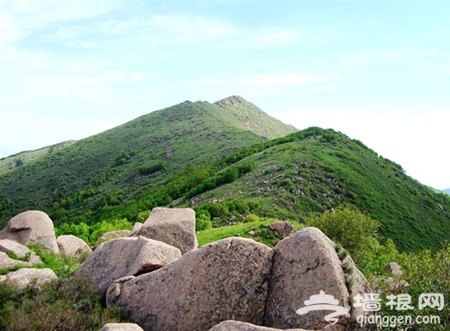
378 71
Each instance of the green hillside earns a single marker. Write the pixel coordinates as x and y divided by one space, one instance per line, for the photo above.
12 162
316 170
79 181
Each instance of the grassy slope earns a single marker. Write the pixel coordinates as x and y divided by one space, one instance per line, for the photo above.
106 169
11 162
291 180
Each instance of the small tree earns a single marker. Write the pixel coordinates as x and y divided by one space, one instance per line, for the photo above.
355 231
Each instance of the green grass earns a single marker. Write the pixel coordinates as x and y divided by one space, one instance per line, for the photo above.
260 228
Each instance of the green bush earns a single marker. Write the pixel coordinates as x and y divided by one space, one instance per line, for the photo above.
355 231
251 218
68 304
202 222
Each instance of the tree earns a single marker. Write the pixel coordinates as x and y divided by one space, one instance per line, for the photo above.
355 231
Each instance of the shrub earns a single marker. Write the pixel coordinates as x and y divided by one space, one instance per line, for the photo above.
202 222
251 218
355 231
68 304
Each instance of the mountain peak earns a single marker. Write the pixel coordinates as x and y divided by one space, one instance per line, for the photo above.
233 100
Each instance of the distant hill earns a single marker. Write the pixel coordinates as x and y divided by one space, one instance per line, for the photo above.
316 170
17 160
447 191
119 164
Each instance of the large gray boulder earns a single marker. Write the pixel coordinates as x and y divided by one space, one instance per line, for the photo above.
31 227
21 251
72 246
242 326
25 278
122 257
223 280
6 262
305 264
121 327
174 226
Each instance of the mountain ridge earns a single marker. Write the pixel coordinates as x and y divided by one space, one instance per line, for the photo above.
132 157
218 159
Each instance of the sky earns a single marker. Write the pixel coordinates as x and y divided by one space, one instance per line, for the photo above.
376 70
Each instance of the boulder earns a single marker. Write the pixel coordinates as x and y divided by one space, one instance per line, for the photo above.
136 228
19 250
121 257
72 246
113 235
306 264
174 226
26 277
31 227
281 229
121 327
6 262
227 279
241 326
393 268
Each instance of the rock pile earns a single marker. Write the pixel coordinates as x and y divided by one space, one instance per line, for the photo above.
33 228
161 281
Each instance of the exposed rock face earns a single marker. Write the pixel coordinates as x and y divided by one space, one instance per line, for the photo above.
113 235
21 251
26 277
174 226
136 228
227 279
241 326
281 229
7 262
121 327
72 246
125 257
31 227
303 265
394 268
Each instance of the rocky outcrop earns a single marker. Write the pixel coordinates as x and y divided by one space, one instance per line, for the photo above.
20 251
305 264
394 269
113 235
24 278
241 326
174 226
121 327
136 228
121 257
72 246
281 229
31 227
6 262
227 279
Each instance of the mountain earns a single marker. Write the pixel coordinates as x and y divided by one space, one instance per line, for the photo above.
222 159
316 170
447 191
119 164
